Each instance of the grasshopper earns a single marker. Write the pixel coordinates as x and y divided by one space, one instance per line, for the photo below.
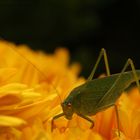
96 95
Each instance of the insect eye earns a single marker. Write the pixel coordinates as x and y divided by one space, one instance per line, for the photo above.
69 105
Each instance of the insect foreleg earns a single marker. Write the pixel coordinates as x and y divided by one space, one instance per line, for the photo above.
102 53
54 118
88 119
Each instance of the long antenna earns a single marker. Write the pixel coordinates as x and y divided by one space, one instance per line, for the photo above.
41 72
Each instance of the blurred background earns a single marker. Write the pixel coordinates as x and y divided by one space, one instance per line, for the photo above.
84 27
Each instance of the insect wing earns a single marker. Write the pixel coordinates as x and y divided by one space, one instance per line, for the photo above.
115 89
96 94
91 93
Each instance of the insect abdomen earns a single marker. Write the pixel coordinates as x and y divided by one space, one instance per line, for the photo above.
99 94
116 89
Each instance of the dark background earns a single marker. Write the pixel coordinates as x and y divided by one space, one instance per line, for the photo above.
84 27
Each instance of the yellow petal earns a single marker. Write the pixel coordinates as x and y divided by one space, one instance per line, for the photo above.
6 74
30 94
11 121
12 88
9 100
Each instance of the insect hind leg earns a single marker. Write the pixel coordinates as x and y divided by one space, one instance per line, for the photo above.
117 116
128 62
102 53
134 73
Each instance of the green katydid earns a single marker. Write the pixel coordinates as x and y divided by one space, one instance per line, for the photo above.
98 94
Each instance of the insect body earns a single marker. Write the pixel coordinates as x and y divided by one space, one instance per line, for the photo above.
98 94
95 95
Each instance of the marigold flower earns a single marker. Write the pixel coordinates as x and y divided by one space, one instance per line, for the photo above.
33 84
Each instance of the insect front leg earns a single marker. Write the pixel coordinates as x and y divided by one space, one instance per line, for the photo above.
102 53
88 119
54 118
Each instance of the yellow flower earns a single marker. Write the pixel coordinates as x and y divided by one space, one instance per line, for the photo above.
32 86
